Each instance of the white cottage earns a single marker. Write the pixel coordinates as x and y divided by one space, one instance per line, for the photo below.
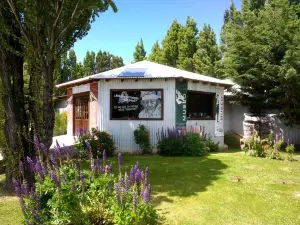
155 95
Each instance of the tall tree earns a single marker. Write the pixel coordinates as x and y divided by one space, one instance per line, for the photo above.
139 53
116 62
262 57
187 45
72 64
41 41
103 61
207 54
156 54
170 44
89 63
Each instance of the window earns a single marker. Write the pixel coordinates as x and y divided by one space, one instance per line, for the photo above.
144 104
200 105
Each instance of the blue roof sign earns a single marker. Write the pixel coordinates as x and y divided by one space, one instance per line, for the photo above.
133 72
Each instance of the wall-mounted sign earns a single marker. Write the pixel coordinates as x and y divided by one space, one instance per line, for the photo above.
180 102
136 104
219 120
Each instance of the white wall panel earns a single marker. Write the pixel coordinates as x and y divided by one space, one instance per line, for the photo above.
80 88
122 130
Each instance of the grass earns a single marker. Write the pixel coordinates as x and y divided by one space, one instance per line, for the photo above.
222 188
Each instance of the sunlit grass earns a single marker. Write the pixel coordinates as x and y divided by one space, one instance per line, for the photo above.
222 188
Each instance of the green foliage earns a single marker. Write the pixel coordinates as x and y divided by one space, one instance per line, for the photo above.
142 138
89 63
156 54
187 45
211 146
207 55
106 61
290 149
100 141
260 53
70 195
139 53
170 44
60 124
190 144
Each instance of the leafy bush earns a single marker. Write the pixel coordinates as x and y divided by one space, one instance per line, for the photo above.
61 123
181 142
100 141
65 194
142 138
290 149
211 146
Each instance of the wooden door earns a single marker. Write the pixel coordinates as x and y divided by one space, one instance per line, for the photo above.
81 112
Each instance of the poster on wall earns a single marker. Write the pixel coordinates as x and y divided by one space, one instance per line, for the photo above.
180 102
136 104
219 117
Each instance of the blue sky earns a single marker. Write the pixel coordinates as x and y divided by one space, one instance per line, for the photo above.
119 32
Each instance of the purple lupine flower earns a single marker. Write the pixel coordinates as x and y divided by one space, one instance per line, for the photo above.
84 131
138 177
36 142
67 151
120 160
56 151
102 170
110 168
44 169
43 148
146 195
24 188
98 164
121 182
21 168
146 173
39 169
82 177
117 190
134 201
30 163
127 182
104 158
88 152
16 187
123 194
54 178
132 175
52 159
88 145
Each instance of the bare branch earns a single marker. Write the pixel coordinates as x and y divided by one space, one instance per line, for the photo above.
59 8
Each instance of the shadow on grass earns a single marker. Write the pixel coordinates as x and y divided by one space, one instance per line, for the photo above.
174 176
2 191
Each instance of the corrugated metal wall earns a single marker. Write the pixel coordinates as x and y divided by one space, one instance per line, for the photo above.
236 116
122 130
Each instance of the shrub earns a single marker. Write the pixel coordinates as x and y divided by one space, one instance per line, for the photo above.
142 138
181 142
99 141
65 194
211 146
60 124
290 149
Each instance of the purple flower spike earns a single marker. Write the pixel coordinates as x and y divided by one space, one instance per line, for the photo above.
84 131
16 187
21 168
138 177
30 163
44 169
134 201
82 177
117 190
57 151
39 169
53 160
146 173
146 195
120 160
127 182
54 178
132 175
24 189
98 165
36 142
104 158
43 148
88 145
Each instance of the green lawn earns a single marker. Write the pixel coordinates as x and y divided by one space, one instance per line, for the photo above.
222 188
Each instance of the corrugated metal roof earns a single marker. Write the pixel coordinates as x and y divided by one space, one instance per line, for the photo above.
150 70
